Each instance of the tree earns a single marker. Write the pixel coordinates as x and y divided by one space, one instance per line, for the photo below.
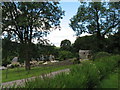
28 21
9 50
98 18
65 45
63 55
113 43
47 49
84 43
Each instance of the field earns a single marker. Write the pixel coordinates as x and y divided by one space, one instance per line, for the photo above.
20 73
89 74
100 73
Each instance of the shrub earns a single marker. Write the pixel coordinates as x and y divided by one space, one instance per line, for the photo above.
89 73
76 61
65 55
100 55
5 62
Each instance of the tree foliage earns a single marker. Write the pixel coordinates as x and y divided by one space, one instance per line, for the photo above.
113 43
99 18
47 50
63 55
65 45
9 51
27 21
84 43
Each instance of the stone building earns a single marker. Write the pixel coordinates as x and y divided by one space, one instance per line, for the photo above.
85 54
15 60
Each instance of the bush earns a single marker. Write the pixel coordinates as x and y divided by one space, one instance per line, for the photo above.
76 61
15 65
63 55
87 73
5 62
100 55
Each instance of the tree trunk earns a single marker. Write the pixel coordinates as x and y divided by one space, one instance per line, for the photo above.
27 64
27 57
24 55
99 36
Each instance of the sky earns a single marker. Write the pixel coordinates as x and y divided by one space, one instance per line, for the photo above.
66 31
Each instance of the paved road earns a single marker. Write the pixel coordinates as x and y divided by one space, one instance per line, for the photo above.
22 81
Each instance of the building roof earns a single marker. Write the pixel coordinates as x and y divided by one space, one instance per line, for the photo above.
84 50
15 59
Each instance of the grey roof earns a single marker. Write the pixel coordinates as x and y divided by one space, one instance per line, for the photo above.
84 50
15 59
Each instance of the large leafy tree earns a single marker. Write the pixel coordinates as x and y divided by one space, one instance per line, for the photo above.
27 21
113 43
9 50
65 45
84 43
98 18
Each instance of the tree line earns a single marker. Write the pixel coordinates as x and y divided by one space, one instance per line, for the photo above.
25 22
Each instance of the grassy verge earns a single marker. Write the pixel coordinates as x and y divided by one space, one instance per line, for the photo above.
87 75
110 82
21 73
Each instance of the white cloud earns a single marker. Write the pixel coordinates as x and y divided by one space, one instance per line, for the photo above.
58 35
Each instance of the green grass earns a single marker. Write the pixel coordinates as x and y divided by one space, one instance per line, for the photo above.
110 82
21 73
88 74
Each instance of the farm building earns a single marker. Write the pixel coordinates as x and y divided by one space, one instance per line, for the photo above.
15 60
85 54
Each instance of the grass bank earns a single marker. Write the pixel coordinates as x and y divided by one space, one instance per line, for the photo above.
111 81
21 73
89 74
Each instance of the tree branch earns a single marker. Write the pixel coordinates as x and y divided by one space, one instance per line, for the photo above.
106 31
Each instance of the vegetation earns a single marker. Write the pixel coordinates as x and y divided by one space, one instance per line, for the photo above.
9 50
25 22
100 55
97 18
64 55
65 45
111 81
12 49
20 73
86 75
111 44
85 43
